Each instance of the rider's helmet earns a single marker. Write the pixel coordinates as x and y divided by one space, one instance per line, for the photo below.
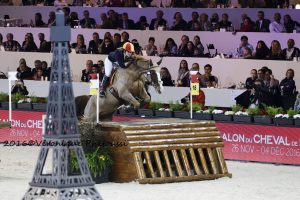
127 46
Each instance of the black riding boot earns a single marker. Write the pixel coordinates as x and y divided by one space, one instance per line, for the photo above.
104 84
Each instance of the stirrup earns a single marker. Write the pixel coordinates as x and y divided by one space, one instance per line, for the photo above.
102 94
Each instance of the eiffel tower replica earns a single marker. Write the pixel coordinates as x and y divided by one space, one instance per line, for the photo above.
61 133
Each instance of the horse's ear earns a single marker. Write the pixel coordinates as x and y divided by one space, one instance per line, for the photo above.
151 63
159 62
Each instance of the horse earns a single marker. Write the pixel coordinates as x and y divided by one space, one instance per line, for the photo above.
127 84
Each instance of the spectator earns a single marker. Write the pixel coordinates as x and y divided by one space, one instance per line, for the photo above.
208 80
29 44
166 77
107 46
289 24
179 23
198 46
125 37
191 24
292 51
11 44
24 72
44 45
79 46
205 25
142 24
182 49
38 20
39 75
94 44
196 68
269 89
244 43
77 3
108 35
94 72
170 48
214 20
262 24
276 26
158 21
250 82
116 3
190 49
288 90
262 51
275 51
67 11
183 74
161 3
85 74
247 25
225 23
19 87
137 47
126 23
247 54
101 69
106 23
60 3
52 19
37 64
87 22
150 48
74 20
113 17
46 70
117 41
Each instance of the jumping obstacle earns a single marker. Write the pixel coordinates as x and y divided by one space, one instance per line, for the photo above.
165 150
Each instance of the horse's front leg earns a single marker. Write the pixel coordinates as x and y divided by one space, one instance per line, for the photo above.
144 95
127 96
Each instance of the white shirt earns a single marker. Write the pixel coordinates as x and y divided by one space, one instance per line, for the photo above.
276 27
289 53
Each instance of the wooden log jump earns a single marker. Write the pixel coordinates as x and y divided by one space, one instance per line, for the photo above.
165 150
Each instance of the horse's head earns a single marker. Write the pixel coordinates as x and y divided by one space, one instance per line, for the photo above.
155 76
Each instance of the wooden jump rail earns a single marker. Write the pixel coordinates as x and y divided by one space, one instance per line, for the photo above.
161 151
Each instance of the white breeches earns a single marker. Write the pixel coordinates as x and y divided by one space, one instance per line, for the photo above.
108 67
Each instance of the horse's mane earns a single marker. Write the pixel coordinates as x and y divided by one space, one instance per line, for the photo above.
139 57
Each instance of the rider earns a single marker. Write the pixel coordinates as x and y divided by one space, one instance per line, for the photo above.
118 58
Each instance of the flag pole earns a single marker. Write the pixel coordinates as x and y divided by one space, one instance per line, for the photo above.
97 105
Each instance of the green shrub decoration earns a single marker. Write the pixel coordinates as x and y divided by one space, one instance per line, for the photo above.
17 97
196 106
210 109
175 106
155 105
253 111
272 111
34 99
3 97
236 108
292 112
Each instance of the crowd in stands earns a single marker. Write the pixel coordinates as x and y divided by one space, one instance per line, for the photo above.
160 3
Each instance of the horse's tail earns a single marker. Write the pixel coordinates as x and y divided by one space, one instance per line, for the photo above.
90 109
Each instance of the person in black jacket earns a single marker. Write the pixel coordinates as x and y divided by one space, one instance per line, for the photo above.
262 51
179 24
290 24
19 87
142 24
29 44
288 90
94 44
24 72
158 21
44 45
11 44
225 23
85 74
39 21
166 77
126 23
87 22
262 24
182 49
292 51
117 58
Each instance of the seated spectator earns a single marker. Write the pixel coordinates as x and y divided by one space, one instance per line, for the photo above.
198 4
182 49
85 74
107 46
262 51
179 23
196 68
94 72
166 77
106 23
244 43
11 44
44 45
262 24
67 12
117 41
126 23
170 48
24 72
52 19
214 20
249 84
19 87
208 80
113 17
38 20
198 46
94 44
115 3
269 90
87 22
60 3
29 44
79 46
108 35
125 37
37 65
200 98
159 21
247 54
205 25
292 51
275 51
161 3
289 24
288 90
39 75
77 3
247 25
142 24
183 74
150 48
276 26
225 23
191 24
101 69
190 49
74 20
137 48
46 70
